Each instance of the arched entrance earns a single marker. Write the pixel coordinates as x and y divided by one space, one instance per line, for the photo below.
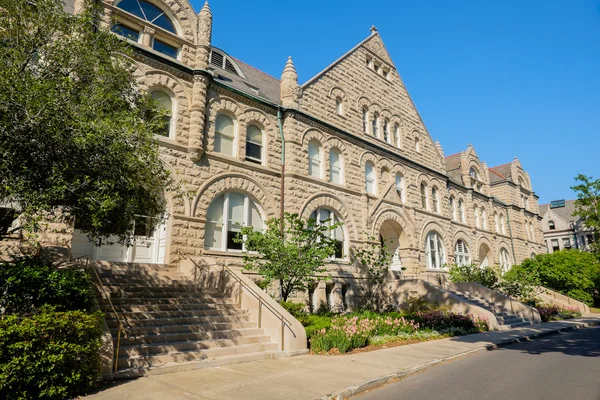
484 255
392 235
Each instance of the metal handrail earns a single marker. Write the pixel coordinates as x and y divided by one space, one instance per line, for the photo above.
107 298
284 321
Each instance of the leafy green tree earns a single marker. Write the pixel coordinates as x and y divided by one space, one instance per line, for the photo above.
520 283
572 272
487 276
375 259
587 205
293 258
77 136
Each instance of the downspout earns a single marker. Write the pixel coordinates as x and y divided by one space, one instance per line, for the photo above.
512 243
282 202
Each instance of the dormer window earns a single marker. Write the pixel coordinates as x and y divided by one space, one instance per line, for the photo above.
473 173
223 61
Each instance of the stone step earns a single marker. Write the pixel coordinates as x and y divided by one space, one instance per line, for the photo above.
116 289
138 315
165 294
154 349
197 355
123 308
117 301
182 328
189 336
112 323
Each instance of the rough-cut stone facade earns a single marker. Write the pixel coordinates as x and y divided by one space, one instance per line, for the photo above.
328 111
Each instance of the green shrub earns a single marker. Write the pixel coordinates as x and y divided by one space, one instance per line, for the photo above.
29 282
486 276
296 309
520 284
51 355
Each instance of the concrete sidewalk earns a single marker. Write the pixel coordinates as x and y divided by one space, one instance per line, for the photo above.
315 377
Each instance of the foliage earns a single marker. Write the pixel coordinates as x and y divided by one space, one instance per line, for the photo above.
550 312
571 272
77 137
520 284
29 282
314 323
293 258
415 303
487 276
296 309
587 206
443 320
51 355
375 259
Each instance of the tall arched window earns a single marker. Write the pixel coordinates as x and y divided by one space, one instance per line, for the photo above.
225 135
452 208
461 253
551 225
370 178
397 136
375 124
434 251
254 144
473 173
315 163
505 262
424 196
335 166
328 217
476 212
503 224
386 131
400 187
461 211
166 102
483 219
497 222
226 216
365 120
434 200
417 145
339 106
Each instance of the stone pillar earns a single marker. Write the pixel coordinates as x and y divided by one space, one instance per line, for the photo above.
147 36
204 37
290 90
319 299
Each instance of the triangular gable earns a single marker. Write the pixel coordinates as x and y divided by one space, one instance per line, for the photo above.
375 44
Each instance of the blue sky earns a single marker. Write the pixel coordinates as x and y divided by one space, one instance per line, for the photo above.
513 78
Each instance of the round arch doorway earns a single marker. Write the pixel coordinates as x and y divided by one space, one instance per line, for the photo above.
392 235
484 255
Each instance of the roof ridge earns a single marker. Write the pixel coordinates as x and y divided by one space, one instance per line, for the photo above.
497 173
254 68
455 154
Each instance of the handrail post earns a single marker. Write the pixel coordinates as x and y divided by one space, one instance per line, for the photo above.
118 347
282 334
259 313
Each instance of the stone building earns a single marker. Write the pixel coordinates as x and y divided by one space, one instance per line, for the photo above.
354 146
563 230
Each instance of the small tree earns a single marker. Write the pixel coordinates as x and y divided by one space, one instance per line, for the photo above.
293 258
486 276
375 260
587 206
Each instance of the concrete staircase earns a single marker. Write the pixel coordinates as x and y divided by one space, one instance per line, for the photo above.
505 320
173 325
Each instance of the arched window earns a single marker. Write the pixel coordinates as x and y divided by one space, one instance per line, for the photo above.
424 196
434 200
503 224
473 173
370 178
505 262
254 144
339 106
328 217
375 123
452 208
226 216
417 145
461 253
315 164
461 211
476 212
397 136
532 255
365 120
531 236
166 103
225 135
386 132
434 251
496 222
551 225
335 166
400 187
483 219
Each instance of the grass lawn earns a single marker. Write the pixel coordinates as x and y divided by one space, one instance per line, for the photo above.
595 310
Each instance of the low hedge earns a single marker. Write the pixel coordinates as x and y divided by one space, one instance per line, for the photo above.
50 355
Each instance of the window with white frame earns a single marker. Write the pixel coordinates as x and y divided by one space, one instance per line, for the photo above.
375 125
461 253
254 144
555 246
335 166
435 200
339 106
397 136
424 196
461 211
166 103
452 208
315 163
329 218
370 178
434 251
476 212
226 216
505 262
365 120
225 135
566 243
400 186
386 132
551 225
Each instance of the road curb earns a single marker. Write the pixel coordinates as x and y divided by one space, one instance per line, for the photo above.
390 378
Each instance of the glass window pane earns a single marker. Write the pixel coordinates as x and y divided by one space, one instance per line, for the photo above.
224 124
163 99
132 7
256 220
126 32
224 144
254 134
253 152
236 210
165 48
214 224
164 22
314 156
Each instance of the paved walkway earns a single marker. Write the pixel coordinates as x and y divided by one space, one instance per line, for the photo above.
313 377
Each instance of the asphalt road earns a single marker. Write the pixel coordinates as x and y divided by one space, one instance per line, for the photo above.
561 366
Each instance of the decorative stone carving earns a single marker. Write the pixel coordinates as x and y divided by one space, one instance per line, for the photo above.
290 90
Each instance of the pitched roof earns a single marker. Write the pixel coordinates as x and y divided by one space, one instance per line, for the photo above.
565 212
500 173
453 167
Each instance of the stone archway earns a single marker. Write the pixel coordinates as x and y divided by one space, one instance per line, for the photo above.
484 255
394 237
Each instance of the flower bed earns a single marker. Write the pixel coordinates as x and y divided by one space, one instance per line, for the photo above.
550 312
353 331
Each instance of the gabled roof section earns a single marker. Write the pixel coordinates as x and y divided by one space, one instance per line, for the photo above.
453 167
565 213
500 173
